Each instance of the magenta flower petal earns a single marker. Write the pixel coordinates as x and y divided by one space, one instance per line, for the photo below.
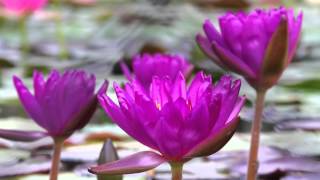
86 113
198 86
103 88
218 139
231 27
254 43
126 71
25 136
215 142
159 91
192 127
229 98
236 110
135 163
29 102
114 112
212 33
205 46
169 128
118 117
232 61
179 88
38 84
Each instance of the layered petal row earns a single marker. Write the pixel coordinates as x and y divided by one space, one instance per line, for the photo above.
177 120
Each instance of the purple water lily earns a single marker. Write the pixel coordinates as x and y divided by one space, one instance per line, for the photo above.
177 121
258 45
61 104
146 66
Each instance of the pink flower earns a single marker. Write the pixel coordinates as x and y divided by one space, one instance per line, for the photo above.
22 7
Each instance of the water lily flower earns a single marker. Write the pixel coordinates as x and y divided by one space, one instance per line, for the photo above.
22 7
259 46
177 121
61 104
146 66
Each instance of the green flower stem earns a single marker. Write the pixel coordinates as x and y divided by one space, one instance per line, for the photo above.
1 78
58 143
255 136
24 39
59 32
176 170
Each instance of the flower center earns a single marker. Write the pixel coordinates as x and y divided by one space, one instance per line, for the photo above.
158 105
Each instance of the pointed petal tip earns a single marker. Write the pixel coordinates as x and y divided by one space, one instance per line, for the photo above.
200 38
207 24
103 88
126 71
15 79
19 85
237 84
101 98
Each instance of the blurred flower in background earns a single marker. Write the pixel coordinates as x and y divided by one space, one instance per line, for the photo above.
146 66
23 7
